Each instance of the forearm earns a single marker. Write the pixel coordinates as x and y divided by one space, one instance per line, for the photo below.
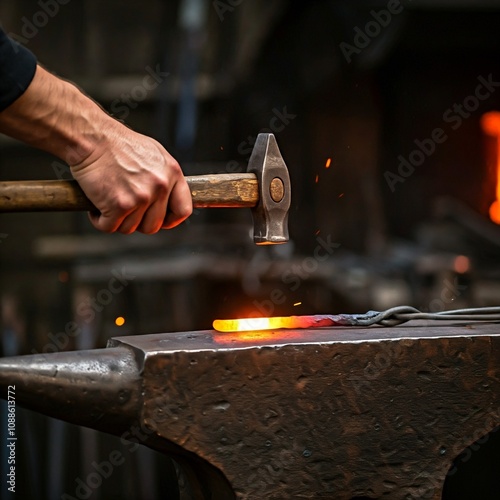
134 183
54 115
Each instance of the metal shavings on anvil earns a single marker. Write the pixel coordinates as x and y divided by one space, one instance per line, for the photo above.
390 317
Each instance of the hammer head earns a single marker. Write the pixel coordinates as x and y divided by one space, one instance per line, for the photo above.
270 215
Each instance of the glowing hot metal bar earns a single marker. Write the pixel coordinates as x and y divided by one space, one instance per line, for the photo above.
390 317
251 324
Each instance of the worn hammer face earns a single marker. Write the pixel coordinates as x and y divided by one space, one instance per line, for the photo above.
270 215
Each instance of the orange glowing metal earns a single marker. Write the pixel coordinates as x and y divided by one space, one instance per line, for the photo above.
256 324
490 123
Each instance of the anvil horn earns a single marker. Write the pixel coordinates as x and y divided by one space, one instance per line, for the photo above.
98 389
103 389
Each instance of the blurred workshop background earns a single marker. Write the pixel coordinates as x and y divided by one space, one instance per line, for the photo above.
387 114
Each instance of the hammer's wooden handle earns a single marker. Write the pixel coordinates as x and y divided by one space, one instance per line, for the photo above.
216 190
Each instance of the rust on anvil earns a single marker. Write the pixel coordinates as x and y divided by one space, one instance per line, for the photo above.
320 413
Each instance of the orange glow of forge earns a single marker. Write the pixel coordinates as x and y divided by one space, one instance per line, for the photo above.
258 324
495 211
490 123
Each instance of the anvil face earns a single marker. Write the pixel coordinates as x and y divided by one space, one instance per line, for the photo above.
324 413
332 413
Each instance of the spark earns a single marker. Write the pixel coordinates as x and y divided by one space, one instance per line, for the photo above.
328 163
120 321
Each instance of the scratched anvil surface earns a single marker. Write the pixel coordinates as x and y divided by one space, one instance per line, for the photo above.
332 413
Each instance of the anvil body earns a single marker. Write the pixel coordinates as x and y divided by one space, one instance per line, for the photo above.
324 413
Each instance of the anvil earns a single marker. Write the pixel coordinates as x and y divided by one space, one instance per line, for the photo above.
321 413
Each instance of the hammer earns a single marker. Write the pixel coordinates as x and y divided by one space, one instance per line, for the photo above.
320 413
265 187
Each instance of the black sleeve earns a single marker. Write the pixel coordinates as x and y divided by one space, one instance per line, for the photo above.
17 68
